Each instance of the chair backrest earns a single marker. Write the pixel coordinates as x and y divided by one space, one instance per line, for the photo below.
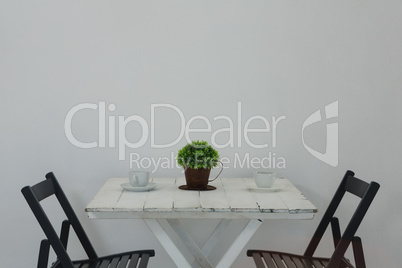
365 191
34 195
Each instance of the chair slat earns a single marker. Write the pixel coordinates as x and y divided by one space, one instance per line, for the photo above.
346 263
278 260
317 264
43 189
258 260
104 263
123 261
268 259
325 262
297 262
144 261
114 262
307 263
134 260
356 186
288 261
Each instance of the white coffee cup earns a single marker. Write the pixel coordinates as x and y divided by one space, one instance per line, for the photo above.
264 179
138 178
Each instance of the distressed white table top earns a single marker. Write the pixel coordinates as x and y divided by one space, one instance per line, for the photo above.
233 199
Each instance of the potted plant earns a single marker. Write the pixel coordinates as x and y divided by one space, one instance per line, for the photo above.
198 158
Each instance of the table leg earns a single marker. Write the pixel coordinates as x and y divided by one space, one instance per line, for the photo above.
200 255
213 239
240 242
167 243
190 244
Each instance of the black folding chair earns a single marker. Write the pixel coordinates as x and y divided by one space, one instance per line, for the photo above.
50 186
353 185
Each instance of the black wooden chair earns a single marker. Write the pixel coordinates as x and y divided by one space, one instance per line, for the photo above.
353 185
50 186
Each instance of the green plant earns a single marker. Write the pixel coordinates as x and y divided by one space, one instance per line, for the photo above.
198 154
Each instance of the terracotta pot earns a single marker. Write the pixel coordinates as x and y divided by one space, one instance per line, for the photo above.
197 178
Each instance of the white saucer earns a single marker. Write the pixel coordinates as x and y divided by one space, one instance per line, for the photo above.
268 190
129 187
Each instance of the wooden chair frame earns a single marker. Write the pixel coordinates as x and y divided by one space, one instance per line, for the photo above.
351 184
34 195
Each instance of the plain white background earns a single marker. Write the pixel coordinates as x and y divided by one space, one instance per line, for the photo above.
277 58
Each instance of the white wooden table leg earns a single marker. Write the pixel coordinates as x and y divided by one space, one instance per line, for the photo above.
167 243
237 246
190 244
213 239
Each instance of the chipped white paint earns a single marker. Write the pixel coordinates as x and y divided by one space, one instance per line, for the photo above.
232 199
163 207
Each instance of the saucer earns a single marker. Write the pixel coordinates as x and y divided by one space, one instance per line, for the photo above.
129 187
268 189
209 188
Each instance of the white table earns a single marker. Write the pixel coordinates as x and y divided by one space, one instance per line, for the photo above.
234 198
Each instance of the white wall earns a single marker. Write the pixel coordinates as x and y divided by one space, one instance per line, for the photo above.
277 58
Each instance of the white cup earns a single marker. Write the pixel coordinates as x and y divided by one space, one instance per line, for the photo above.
138 178
264 179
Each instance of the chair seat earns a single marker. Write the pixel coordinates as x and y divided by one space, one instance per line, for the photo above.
132 259
275 259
